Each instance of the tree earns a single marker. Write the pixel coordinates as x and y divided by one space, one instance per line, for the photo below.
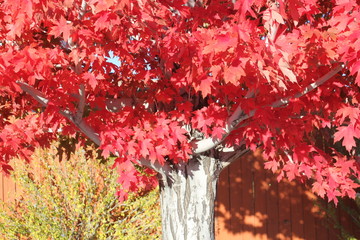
197 84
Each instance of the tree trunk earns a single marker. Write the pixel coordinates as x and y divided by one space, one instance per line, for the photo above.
187 194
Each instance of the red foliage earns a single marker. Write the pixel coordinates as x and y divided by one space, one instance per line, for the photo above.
184 73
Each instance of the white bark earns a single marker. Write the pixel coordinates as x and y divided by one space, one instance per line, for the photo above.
188 198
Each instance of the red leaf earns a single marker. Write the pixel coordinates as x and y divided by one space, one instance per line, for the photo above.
146 147
347 133
217 132
351 112
355 68
233 75
273 165
90 77
61 28
205 86
357 80
319 189
285 69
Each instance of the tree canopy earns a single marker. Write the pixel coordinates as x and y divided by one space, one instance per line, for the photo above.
190 76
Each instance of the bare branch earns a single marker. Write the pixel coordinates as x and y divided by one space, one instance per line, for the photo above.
82 9
164 169
83 126
81 105
310 87
230 158
289 156
37 95
239 116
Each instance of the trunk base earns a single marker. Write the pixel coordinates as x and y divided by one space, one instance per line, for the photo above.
188 199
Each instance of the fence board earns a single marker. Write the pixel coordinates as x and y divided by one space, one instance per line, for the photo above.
265 209
308 213
259 198
236 193
272 206
284 212
296 208
223 197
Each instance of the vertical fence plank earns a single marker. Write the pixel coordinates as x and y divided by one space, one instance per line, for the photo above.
248 198
297 221
260 200
222 214
345 221
272 206
309 219
284 211
236 179
322 231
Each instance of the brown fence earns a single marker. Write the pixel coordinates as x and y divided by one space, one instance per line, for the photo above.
252 205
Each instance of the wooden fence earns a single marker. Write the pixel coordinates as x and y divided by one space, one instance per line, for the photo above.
252 205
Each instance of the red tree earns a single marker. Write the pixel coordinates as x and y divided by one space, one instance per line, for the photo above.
198 83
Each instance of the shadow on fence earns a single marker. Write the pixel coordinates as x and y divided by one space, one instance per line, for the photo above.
251 204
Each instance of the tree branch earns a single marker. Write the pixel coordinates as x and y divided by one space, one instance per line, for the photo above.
310 87
83 126
81 105
232 157
82 9
164 169
239 116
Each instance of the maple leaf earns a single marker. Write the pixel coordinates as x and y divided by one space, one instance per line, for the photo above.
355 69
357 79
291 170
217 132
285 69
347 133
273 165
90 77
205 86
233 75
319 189
351 112
146 147
62 27
100 23
224 42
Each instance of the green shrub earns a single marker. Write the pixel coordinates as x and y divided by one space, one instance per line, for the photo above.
75 199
